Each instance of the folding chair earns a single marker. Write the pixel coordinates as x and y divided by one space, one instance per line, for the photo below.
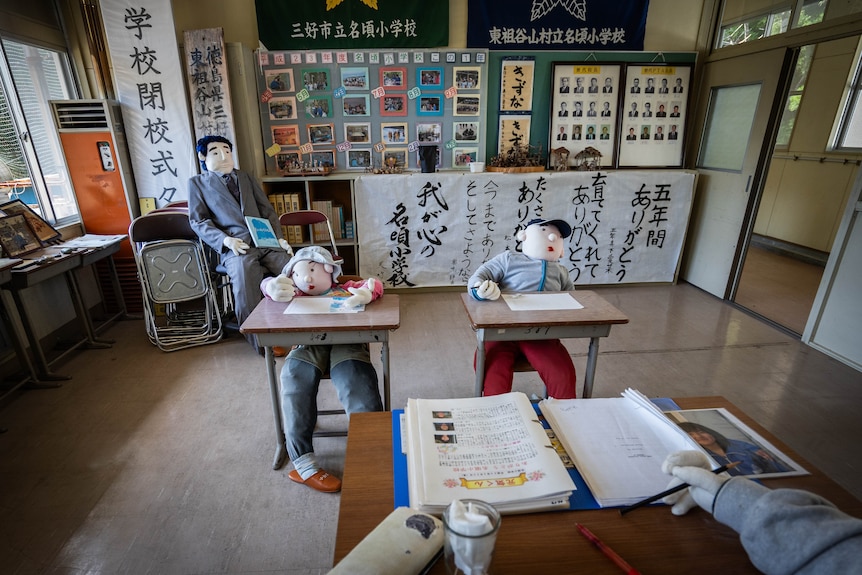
180 307
308 218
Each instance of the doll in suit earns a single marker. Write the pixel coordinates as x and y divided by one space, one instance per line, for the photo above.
219 199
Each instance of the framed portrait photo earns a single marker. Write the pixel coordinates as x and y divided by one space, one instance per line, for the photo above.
654 111
322 159
16 236
585 108
354 78
393 78
429 78
429 105
393 133
355 105
44 231
393 105
280 80
282 108
357 132
467 78
358 159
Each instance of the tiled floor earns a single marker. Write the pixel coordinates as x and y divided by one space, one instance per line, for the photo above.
147 462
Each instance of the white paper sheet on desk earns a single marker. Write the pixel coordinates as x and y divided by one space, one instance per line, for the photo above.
540 301
91 241
320 305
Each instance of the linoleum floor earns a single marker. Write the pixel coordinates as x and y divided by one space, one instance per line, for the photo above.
151 462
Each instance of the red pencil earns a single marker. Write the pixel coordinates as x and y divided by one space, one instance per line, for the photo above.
610 553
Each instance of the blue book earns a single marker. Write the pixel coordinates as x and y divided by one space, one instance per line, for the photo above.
261 232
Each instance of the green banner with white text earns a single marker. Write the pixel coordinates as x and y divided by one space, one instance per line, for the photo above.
316 24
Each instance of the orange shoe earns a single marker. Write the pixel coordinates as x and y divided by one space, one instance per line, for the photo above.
320 481
278 351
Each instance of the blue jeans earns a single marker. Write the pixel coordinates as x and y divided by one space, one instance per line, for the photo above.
352 374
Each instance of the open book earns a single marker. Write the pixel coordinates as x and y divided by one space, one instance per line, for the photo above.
618 444
261 232
489 448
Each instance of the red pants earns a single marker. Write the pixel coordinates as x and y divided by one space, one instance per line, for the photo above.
547 356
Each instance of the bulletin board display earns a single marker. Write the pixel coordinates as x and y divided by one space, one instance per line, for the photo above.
653 115
361 110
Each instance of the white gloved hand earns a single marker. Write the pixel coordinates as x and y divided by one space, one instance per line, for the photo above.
236 245
285 246
281 288
692 467
361 296
488 290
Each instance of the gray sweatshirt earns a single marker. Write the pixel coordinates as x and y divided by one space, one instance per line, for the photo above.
790 531
515 272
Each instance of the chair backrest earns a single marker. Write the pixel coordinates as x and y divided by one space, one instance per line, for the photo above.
308 218
169 225
174 270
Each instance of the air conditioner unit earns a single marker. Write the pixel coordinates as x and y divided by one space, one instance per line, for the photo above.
94 145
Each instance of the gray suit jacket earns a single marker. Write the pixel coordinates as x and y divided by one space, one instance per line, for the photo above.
214 213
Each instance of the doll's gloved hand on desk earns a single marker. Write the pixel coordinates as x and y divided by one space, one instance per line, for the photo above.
361 295
281 288
692 467
236 245
487 290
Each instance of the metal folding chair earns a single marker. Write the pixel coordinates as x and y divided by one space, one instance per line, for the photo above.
180 306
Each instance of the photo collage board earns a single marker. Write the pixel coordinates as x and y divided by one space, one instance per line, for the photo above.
627 115
363 110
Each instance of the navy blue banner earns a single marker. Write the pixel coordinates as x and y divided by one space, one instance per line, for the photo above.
557 24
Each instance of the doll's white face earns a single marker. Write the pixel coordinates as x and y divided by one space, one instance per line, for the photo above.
219 158
542 242
312 278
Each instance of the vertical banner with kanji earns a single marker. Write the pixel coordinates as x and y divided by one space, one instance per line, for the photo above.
209 91
516 85
149 83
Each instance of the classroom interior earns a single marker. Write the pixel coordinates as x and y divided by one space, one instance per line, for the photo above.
167 469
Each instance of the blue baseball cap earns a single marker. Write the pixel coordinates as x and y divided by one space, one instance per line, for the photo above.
565 229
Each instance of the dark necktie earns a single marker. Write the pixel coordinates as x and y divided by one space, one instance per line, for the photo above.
231 185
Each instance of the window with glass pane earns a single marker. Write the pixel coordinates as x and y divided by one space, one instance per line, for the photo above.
34 76
848 126
794 96
810 12
728 126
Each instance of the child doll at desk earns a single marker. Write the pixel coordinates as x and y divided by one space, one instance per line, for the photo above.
535 268
312 271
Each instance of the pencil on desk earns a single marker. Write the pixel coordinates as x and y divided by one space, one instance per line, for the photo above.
610 553
672 490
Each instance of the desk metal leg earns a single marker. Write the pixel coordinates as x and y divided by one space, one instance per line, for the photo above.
480 362
81 310
592 357
41 363
384 357
30 379
280 445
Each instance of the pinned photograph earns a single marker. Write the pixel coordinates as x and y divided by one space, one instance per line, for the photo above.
358 133
283 108
280 80
354 78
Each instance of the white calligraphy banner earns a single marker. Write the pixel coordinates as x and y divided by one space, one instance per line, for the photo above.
422 230
148 78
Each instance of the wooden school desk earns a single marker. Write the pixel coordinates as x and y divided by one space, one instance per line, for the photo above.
650 539
274 328
494 321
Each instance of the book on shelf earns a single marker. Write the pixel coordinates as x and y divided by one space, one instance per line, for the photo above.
490 448
619 443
